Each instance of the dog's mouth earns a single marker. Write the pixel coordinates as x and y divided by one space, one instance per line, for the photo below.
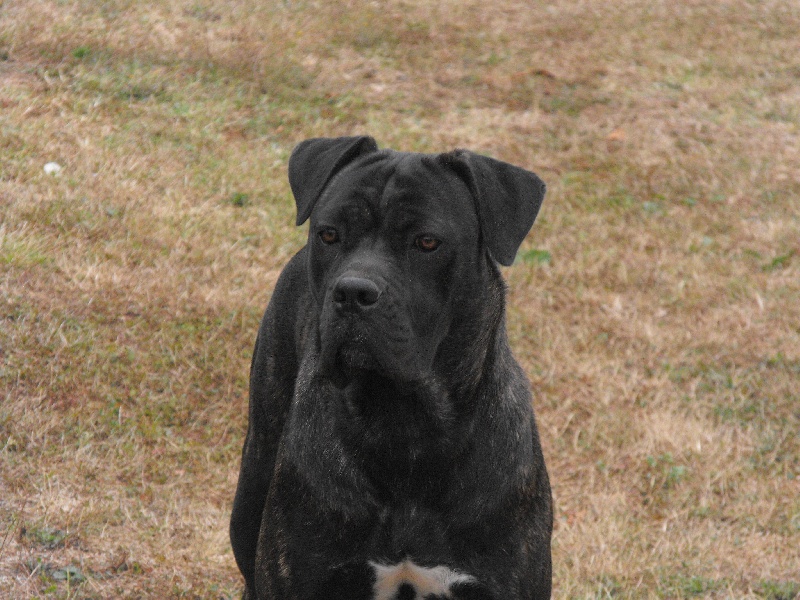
347 357
350 350
356 357
350 362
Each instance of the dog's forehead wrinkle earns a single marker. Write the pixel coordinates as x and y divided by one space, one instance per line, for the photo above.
432 193
410 171
360 185
398 191
357 207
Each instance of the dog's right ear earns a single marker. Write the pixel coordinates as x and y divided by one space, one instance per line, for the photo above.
314 162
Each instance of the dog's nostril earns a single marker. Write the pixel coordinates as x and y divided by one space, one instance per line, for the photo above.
367 298
357 291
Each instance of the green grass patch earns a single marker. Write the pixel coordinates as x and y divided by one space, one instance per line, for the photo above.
778 590
536 256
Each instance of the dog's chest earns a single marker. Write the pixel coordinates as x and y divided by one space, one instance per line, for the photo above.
409 581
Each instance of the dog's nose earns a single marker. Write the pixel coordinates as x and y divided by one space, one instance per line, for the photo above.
355 293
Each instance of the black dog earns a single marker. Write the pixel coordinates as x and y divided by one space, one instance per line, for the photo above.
392 452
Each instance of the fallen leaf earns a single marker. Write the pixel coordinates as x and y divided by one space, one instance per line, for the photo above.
617 135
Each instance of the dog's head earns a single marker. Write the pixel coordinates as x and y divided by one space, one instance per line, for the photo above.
398 246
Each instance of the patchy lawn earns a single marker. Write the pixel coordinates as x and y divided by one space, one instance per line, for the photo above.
655 306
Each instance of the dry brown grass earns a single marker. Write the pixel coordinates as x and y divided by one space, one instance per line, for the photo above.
659 321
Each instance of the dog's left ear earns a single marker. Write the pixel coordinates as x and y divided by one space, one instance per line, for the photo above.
314 162
507 199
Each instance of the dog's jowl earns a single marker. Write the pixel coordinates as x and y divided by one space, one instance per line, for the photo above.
392 452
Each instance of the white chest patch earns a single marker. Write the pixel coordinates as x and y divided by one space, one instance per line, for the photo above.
425 581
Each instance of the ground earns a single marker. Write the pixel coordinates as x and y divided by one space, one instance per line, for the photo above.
655 305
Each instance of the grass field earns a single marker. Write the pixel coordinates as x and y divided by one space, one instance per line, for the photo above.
655 306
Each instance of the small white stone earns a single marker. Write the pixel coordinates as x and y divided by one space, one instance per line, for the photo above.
52 168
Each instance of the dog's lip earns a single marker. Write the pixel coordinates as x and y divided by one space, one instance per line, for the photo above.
351 360
343 359
350 348
356 355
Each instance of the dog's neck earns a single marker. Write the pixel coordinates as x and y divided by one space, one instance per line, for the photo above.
403 436
470 350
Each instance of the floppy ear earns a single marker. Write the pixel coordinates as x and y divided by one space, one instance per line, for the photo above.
314 162
507 199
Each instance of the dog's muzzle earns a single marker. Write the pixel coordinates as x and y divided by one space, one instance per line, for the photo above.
349 329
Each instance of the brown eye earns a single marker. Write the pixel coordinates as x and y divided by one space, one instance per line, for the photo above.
329 236
427 243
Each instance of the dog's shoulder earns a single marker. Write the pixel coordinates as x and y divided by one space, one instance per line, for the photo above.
285 322
291 289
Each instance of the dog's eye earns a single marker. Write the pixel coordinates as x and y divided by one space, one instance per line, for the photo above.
329 236
427 243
